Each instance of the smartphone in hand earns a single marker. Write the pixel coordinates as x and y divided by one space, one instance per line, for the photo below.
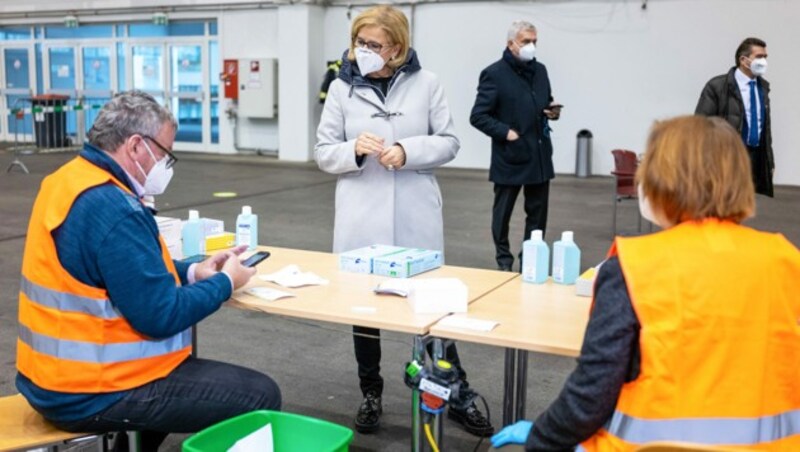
255 259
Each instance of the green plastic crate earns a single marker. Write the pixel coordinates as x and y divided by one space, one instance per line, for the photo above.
290 433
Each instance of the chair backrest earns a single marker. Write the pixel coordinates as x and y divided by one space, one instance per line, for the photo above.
671 446
625 162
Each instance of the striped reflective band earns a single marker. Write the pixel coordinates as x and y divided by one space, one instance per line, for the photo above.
103 353
66 302
732 431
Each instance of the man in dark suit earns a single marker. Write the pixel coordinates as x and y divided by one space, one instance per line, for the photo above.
513 106
741 97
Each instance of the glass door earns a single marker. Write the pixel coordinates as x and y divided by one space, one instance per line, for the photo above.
97 65
60 80
148 71
186 94
15 89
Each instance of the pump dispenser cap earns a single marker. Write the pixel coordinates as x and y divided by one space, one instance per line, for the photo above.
246 210
566 236
536 235
194 215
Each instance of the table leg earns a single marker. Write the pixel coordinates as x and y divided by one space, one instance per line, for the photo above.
521 383
508 387
417 433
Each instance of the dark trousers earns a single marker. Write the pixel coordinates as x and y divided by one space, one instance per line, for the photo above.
368 357
505 196
197 394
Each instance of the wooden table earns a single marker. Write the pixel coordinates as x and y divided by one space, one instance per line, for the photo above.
546 318
349 299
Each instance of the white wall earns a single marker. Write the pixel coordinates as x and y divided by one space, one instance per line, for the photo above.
614 66
248 34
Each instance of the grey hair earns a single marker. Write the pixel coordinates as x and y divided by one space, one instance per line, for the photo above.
518 26
126 114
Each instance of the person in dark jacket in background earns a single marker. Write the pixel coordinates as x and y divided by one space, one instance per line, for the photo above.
737 96
513 106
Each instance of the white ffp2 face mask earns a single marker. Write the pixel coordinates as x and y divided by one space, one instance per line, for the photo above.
156 182
527 52
368 61
758 66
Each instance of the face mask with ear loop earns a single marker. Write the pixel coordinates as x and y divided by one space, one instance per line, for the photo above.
368 61
156 182
527 52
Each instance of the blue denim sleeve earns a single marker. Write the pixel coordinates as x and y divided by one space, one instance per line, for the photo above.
182 268
609 357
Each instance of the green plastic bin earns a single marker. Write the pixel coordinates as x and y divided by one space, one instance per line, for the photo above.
290 433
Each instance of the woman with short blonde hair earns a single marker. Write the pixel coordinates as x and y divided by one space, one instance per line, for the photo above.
386 127
694 333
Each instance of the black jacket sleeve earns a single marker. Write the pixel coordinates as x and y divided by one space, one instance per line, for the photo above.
709 102
483 112
609 357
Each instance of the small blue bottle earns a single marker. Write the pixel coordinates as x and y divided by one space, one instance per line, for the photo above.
566 259
247 228
535 259
193 235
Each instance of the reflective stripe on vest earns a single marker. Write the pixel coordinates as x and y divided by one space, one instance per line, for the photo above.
105 353
71 337
728 431
67 302
719 340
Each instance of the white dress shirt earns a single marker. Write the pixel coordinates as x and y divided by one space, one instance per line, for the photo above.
744 89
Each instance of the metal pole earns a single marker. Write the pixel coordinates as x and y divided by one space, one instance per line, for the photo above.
508 387
522 383
418 355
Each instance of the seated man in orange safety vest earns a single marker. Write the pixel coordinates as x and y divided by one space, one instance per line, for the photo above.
694 334
105 313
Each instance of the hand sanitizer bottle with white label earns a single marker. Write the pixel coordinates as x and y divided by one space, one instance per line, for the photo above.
566 259
247 228
535 259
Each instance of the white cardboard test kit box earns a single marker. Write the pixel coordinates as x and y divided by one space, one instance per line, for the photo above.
438 295
408 262
361 260
170 229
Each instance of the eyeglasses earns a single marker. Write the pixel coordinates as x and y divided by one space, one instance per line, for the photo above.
371 45
171 159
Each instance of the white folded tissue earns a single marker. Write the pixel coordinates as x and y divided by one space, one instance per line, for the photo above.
429 295
258 441
291 276
268 293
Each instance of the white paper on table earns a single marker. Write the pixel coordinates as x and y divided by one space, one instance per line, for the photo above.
401 287
467 323
291 276
267 293
258 441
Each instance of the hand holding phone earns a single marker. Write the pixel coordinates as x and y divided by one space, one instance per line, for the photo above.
255 259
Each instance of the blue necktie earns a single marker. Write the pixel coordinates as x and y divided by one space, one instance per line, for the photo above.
752 135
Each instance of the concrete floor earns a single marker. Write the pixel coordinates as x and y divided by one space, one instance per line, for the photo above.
313 362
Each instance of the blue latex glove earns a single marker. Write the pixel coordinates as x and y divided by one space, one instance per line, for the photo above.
513 434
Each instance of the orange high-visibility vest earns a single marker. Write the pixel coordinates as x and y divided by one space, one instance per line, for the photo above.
719 309
71 338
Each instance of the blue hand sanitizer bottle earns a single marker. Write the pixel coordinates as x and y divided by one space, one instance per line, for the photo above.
535 258
193 235
247 228
566 259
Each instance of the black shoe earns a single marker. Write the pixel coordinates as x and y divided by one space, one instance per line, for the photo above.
368 418
472 420
504 268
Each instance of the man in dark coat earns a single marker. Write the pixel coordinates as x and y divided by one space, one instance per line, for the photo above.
738 96
513 106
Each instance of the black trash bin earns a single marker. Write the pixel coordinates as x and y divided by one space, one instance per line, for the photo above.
50 120
583 154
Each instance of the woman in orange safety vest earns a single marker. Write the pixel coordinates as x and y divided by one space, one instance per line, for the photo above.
694 334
